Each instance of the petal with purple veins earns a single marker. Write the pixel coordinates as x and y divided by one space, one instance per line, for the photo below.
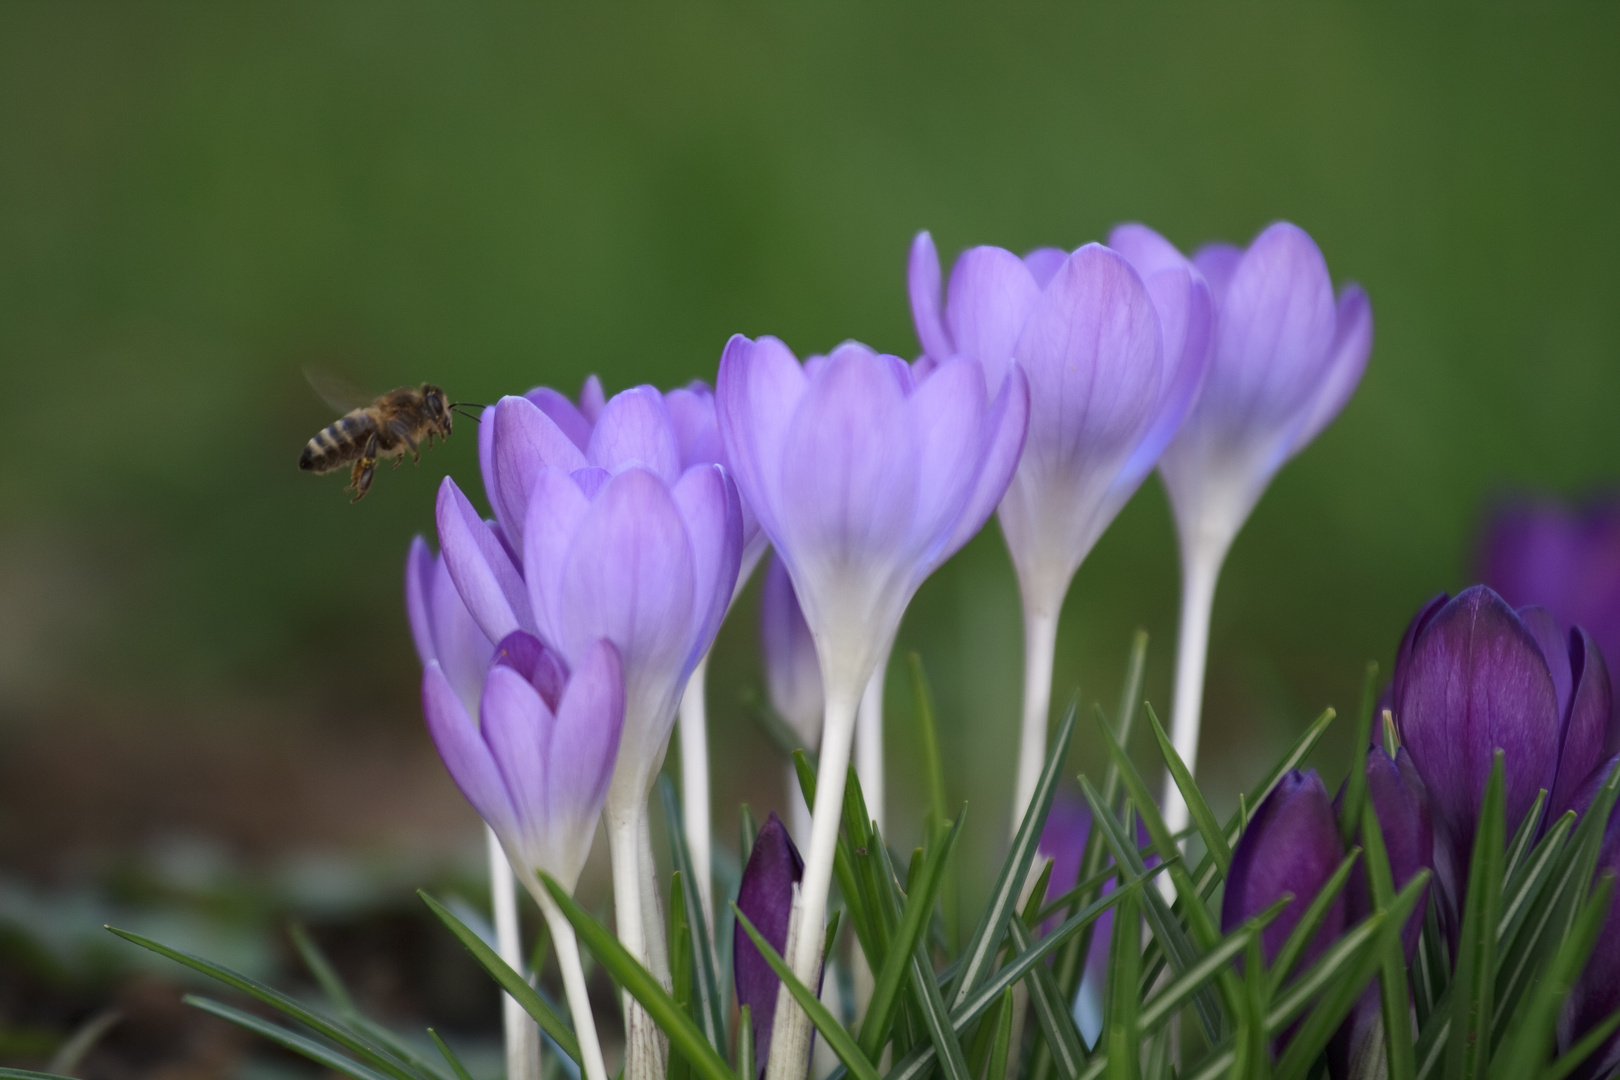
489 584
465 755
923 285
635 428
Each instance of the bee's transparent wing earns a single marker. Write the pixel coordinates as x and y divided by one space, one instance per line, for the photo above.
342 395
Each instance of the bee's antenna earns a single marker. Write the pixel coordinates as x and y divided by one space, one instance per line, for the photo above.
460 410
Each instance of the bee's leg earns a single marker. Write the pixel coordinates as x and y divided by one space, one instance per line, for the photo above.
364 470
405 435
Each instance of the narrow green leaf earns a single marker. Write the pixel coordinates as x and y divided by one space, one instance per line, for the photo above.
860 918
1003 1042
368 1050
1392 990
1355 788
1305 930
1582 1049
1164 1004
449 1056
26 1074
684 1035
680 968
836 1035
748 828
1523 838
1431 969
745 1044
298 1044
321 968
986 938
1474 982
984 1040
1119 1036
928 745
1249 1040
710 1005
1202 816
509 980
1051 1011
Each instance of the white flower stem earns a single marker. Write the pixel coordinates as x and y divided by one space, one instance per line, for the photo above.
645 1048
522 1034
1200 568
1040 643
566 947
869 742
792 1024
695 783
798 810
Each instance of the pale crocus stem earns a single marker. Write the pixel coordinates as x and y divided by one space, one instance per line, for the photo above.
522 1035
792 1025
1201 567
869 742
645 1053
790 1030
573 975
654 939
1040 643
694 721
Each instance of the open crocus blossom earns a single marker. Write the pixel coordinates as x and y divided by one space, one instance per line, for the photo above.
1473 676
1114 360
618 542
536 766
792 675
1286 357
866 473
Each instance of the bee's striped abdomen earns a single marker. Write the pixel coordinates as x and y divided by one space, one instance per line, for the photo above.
338 443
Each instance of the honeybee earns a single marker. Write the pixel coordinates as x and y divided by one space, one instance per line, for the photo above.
396 423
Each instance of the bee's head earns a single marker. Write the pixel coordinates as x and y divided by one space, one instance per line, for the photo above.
436 405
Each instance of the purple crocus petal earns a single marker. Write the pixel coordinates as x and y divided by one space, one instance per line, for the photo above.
584 745
1146 250
1403 652
1186 325
591 399
756 393
465 755
1290 846
1401 803
1217 263
486 451
1555 649
1352 344
1043 264
418 583
765 897
459 645
1477 682
1587 725
792 671
697 430
543 669
991 293
635 428
1006 427
516 726
557 505
947 413
713 515
489 583
923 284
564 413
526 441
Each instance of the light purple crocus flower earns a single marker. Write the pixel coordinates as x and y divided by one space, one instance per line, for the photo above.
1472 676
442 627
866 474
1286 357
1566 559
1114 363
765 896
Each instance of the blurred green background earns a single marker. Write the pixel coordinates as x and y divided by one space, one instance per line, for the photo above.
197 201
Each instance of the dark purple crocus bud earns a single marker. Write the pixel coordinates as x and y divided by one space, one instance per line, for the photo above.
1479 677
766 898
1566 559
1291 846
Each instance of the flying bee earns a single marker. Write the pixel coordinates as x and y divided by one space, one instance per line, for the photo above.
399 422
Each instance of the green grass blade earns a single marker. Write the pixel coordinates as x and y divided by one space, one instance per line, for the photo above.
1524 837
685 1037
748 828
1249 1039
987 936
860 916
449 1056
1119 1035
298 1044
745 1044
680 968
1203 818
509 980
1474 983
919 907
1293 946
1580 1050
378 1057
1355 787
842 1043
928 745
710 1001
1392 989
1051 1011
1164 1004
1003 1042
27 1074
321 969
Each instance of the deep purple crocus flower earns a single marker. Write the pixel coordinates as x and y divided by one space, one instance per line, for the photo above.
1566 559
537 762
766 897
1286 357
1472 676
1114 363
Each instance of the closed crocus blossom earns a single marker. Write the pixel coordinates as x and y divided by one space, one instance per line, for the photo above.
1473 676
765 897
618 542
1286 357
866 474
536 765
1566 559
1114 362
792 675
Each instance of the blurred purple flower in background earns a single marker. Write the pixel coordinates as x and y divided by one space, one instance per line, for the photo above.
866 474
1286 357
1472 676
792 676
1537 551
765 896
1113 365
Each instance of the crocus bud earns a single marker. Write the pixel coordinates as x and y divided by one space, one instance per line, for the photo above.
442 627
1565 559
766 898
536 765
1478 677
792 673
